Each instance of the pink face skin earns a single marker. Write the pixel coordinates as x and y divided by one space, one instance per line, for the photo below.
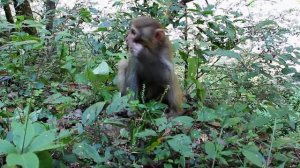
134 48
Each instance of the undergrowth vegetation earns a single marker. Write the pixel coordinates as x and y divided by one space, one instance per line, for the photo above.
60 107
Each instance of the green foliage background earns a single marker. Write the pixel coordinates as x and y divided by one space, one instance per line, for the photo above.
59 105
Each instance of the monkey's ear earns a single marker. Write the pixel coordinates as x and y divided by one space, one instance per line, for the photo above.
159 34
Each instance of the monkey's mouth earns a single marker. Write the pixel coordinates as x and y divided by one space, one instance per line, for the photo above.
135 48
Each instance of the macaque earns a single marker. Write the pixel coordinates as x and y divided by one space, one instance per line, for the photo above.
150 65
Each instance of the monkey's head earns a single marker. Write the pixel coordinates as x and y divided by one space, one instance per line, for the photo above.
147 34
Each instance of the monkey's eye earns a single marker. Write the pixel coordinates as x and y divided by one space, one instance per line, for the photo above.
133 31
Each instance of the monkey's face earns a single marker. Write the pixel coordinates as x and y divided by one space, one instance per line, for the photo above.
134 41
145 39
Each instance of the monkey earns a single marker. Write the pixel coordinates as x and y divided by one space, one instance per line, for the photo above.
150 64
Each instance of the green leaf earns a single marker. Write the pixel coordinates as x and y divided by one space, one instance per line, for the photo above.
239 107
32 23
210 149
45 159
288 70
102 69
252 154
63 35
227 53
26 160
182 144
226 153
85 15
186 121
231 122
91 113
1 104
85 150
258 121
6 147
168 165
146 133
43 141
265 23
114 122
283 141
20 131
118 103
57 98
161 123
206 115
192 67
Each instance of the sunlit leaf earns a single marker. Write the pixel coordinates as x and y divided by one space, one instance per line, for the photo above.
102 69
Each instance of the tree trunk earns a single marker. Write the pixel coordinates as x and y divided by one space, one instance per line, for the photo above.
25 10
8 14
50 10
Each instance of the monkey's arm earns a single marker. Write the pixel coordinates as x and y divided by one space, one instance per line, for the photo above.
121 79
132 80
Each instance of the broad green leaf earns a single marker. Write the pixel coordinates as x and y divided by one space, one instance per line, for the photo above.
239 107
118 103
227 53
26 160
114 122
32 23
57 98
210 149
92 112
102 69
105 24
265 23
38 127
181 144
253 155
168 166
22 136
284 141
62 35
45 159
85 150
195 133
206 115
231 122
288 70
226 153
258 121
64 133
161 123
43 141
146 133
6 147
186 121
